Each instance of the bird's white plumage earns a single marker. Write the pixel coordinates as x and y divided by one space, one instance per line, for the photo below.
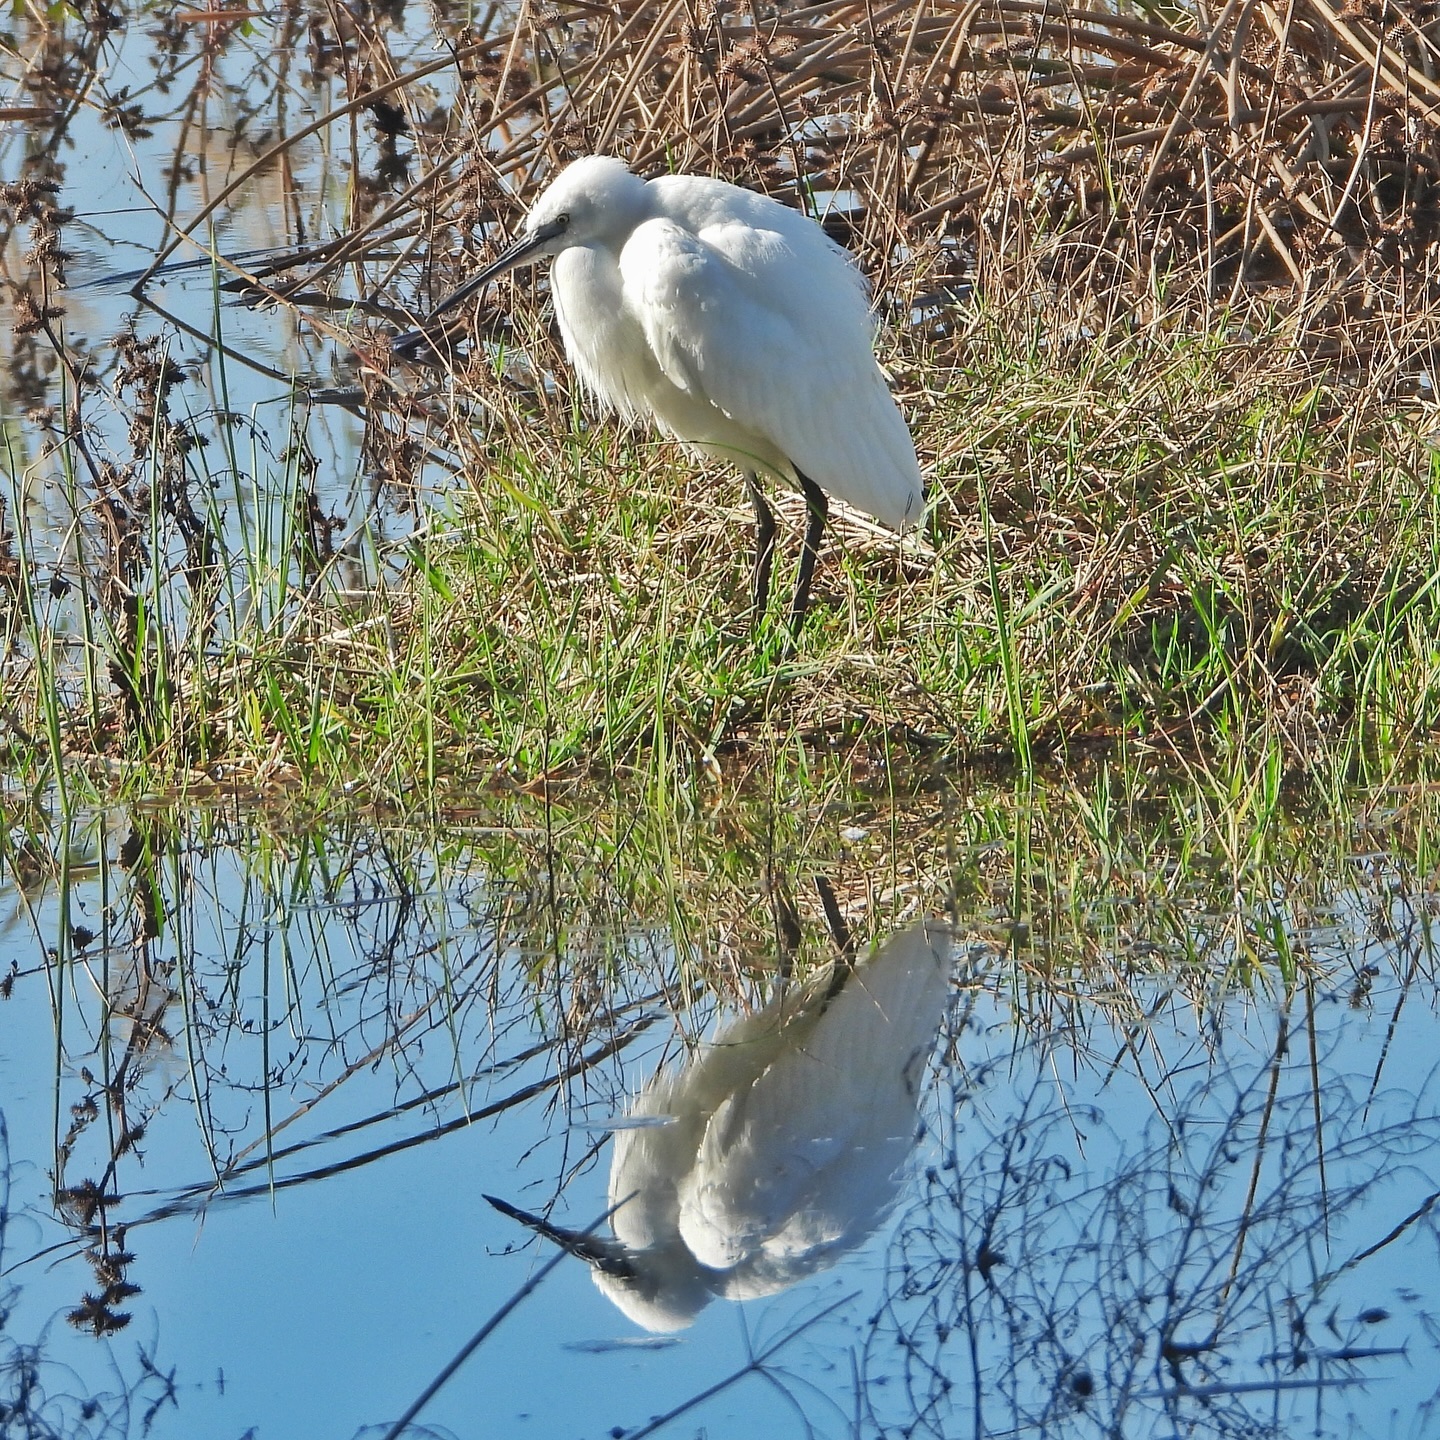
734 323
780 377
786 1134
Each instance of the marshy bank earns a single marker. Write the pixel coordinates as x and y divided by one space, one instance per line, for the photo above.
391 793
1157 294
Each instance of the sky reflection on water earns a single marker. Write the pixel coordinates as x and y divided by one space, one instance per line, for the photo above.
1098 1214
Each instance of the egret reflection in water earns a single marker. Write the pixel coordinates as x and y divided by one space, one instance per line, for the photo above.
778 1147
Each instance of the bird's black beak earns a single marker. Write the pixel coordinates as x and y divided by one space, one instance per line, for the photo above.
607 1256
521 252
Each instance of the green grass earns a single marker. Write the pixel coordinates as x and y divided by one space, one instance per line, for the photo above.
1178 547
1212 876
1172 542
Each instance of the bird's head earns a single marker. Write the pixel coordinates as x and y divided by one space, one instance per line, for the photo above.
661 1288
595 200
663 1291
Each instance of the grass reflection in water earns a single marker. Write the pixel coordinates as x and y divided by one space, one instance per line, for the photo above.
1176 1149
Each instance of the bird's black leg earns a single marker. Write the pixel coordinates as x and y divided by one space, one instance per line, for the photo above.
764 552
818 504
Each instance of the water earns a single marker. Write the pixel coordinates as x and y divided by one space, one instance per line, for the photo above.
1206 1183
140 128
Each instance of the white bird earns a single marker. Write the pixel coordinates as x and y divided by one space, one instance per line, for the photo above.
733 323
778 1148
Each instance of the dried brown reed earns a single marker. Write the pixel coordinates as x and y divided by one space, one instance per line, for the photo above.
1274 156
1257 167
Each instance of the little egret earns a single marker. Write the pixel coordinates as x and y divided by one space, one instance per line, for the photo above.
734 324
778 1148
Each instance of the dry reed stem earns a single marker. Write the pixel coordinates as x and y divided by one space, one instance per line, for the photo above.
1277 160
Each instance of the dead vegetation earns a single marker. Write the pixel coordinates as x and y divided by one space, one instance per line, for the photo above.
1124 163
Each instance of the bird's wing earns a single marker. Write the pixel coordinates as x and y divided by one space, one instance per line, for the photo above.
654 1153
802 1162
776 335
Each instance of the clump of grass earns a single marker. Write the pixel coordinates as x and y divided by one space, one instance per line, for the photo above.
1169 540
1174 542
1162 507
